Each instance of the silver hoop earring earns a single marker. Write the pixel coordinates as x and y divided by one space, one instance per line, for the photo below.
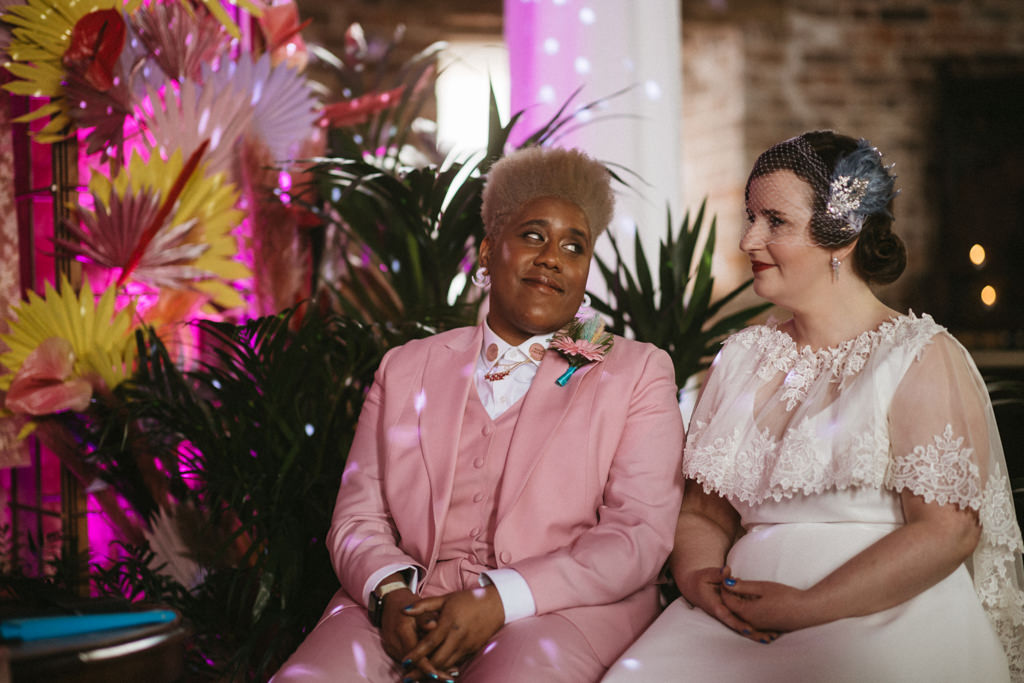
835 263
481 279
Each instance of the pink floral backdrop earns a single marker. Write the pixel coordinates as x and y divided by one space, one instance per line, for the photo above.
12 451
152 170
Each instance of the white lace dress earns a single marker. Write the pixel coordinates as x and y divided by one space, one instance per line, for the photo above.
812 448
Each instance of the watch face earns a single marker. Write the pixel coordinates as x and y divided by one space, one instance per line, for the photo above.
374 608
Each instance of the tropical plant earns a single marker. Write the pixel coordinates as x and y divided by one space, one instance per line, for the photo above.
408 240
380 117
261 430
677 314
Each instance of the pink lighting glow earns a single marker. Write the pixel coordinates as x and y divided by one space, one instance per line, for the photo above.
543 41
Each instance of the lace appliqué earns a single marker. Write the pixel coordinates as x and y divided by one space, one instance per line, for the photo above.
801 463
942 472
804 367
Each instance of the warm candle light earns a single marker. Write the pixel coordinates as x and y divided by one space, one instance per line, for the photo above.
977 254
988 295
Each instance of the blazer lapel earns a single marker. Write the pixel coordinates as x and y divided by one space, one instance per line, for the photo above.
544 408
447 381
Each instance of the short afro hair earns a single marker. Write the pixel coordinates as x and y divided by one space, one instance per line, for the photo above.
535 172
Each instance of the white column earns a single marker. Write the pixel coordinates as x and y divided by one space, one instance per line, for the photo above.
604 46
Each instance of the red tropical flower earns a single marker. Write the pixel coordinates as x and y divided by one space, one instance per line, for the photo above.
96 43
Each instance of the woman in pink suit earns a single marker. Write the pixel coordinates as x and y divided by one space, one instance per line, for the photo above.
492 524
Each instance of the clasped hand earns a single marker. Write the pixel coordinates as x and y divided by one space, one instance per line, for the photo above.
768 606
758 610
431 637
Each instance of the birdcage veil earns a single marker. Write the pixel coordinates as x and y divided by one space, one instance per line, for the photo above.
841 199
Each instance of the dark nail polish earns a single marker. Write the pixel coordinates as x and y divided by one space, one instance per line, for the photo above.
407 680
729 582
765 641
406 664
407 608
435 676
746 631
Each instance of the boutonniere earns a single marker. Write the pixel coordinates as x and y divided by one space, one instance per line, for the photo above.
582 341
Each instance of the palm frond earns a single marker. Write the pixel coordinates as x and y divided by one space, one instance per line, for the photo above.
678 315
412 238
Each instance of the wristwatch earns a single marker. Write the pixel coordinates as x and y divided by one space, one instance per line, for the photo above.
377 599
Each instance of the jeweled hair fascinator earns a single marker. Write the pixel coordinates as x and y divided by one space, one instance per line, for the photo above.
860 186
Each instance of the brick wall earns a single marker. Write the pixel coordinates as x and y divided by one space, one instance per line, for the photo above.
862 67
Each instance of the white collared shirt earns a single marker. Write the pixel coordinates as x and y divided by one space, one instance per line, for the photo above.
500 395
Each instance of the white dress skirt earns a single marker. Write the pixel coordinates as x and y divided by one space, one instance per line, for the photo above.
940 635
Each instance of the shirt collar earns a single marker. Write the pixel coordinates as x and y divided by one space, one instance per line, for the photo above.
490 337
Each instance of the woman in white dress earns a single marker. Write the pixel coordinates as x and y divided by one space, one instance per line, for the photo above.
847 513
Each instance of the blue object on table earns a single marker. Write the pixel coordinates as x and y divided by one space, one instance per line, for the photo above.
35 628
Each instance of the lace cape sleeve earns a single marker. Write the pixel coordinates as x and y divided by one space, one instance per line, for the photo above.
945 448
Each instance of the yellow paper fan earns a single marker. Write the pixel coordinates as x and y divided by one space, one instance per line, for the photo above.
100 337
209 200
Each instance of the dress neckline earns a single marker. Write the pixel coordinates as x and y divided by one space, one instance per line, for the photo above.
867 338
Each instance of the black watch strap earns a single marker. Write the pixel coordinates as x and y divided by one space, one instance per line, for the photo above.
377 599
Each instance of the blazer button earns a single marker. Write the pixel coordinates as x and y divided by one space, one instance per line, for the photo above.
488 430
478 463
505 556
477 497
475 531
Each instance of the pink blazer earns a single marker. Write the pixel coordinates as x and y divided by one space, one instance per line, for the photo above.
589 497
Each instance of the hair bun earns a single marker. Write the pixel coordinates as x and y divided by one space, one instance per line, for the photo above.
881 255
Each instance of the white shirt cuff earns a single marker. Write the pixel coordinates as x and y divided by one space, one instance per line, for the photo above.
516 596
412 577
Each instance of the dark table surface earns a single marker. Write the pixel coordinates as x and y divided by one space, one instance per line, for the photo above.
150 654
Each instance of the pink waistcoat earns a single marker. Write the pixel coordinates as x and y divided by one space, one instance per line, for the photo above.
467 540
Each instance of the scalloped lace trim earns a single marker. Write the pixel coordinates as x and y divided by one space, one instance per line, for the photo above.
804 366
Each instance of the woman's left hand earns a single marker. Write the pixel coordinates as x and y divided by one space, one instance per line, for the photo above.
466 620
769 606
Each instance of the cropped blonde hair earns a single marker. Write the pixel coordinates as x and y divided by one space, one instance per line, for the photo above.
535 172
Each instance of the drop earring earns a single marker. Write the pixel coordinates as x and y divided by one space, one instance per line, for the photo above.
835 263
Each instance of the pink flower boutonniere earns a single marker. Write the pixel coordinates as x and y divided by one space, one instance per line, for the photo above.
581 342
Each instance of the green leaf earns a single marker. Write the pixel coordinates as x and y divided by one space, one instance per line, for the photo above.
677 315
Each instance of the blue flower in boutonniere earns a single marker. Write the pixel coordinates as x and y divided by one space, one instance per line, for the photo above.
582 341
